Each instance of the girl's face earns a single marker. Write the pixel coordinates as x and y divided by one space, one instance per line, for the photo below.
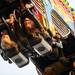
6 38
11 19
28 23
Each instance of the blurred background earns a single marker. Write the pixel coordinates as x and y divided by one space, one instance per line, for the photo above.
8 69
